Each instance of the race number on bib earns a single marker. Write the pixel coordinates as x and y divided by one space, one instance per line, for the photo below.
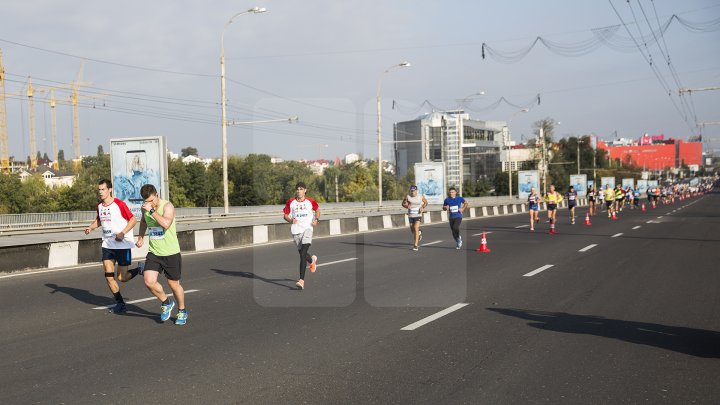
454 208
156 232
107 232
413 211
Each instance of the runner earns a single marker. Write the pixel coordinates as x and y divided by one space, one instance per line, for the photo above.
415 205
303 213
571 196
619 198
609 199
553 198
158 219
591 201
117 223
636 197
456 205
533 208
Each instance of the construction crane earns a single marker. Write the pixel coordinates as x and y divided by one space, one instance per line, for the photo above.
74 99
4 151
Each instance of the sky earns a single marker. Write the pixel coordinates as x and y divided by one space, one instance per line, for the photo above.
153 68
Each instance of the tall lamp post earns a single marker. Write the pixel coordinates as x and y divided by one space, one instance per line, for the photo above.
507 144
223 101
379 133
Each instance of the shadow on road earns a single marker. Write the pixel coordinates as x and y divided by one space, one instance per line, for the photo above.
694 342
97 300
253 276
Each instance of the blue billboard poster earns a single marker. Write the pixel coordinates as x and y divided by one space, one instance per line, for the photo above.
430 181
628 183
135 162
652 183
642 186
527 179
591 183
605 181
579 182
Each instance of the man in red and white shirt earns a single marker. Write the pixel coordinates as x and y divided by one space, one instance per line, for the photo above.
303 213
117 223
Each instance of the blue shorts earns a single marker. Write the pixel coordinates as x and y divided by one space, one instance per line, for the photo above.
534 207
571 205
122 256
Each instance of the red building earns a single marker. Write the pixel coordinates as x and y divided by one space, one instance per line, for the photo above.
661 154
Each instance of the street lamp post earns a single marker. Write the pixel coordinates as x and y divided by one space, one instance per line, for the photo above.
379 133
510 161
223 101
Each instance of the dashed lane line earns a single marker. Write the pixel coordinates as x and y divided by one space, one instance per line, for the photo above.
636 227
586 248
538 270
616 235
433 317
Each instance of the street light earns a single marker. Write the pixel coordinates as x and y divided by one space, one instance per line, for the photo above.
507 145
379 133
223 101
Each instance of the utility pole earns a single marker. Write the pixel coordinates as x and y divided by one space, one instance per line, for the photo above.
578 155
31 124
544 160
4 151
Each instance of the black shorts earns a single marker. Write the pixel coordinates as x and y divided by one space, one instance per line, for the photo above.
123 257
571 206
170 265
551 207
414 219
609 203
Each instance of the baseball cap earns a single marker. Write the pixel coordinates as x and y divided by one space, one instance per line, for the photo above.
413 187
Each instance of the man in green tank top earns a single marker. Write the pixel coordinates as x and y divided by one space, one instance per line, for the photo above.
158 220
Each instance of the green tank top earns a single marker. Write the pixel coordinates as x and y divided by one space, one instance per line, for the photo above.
163 242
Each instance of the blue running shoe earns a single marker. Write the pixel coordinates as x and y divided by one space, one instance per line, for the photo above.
119 308
181 317
166 310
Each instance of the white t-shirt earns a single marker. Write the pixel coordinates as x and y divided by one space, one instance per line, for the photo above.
302 212
113 218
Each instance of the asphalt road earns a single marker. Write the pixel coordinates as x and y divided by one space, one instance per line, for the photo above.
632 319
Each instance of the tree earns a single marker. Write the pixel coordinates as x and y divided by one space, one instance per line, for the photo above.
188 151
61 155
100 150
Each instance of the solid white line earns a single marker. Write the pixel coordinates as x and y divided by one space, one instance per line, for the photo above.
616 235
478 234
433 317
26 273
536 271
337 261
586 248
142 299
431 243
521 226
636 227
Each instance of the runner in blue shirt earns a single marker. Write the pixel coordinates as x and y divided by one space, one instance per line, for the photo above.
571 197
533 207
455 205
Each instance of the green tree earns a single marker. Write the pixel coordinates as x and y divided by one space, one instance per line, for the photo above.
12 199
61 155
100 150
188 151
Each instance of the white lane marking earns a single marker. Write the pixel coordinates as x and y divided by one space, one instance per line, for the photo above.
521 226
336 261
431 243
141 300
479 234
636 227
660 217
536 271
616 235
651 222
586 248
433 317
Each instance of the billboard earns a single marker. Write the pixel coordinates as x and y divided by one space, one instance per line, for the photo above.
526 180
628 183
579 182
652 183
135 162
430 180
604 181
642 186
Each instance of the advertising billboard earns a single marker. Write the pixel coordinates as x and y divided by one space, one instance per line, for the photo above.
527 179
642 186
135 162
604 181
579 182
430 180
628 183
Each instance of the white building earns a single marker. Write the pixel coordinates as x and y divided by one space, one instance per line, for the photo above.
193 159
52 178
351 158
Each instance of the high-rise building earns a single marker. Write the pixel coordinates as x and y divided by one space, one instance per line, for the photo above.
469 148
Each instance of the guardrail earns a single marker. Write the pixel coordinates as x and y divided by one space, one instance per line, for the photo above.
16 224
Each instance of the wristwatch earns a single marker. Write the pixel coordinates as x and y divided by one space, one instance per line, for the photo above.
152 211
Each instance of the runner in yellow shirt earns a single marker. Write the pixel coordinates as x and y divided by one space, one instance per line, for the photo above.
609 199
553 198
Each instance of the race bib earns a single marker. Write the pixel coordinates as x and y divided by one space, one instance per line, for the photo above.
454 208
413 211
156 232
107 232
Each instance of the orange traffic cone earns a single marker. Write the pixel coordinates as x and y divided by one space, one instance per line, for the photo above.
587 219
613 215
483 244
643 207
552 228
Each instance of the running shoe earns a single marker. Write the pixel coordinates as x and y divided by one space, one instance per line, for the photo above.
119 308
415 248
300 284
420 238
459 242
181 317
313 264
166 310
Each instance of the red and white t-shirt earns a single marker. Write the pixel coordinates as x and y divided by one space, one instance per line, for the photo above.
113 218
302 211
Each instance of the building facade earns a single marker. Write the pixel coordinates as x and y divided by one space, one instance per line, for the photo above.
657 153
469 148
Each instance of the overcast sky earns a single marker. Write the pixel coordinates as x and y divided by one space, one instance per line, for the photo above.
152 68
